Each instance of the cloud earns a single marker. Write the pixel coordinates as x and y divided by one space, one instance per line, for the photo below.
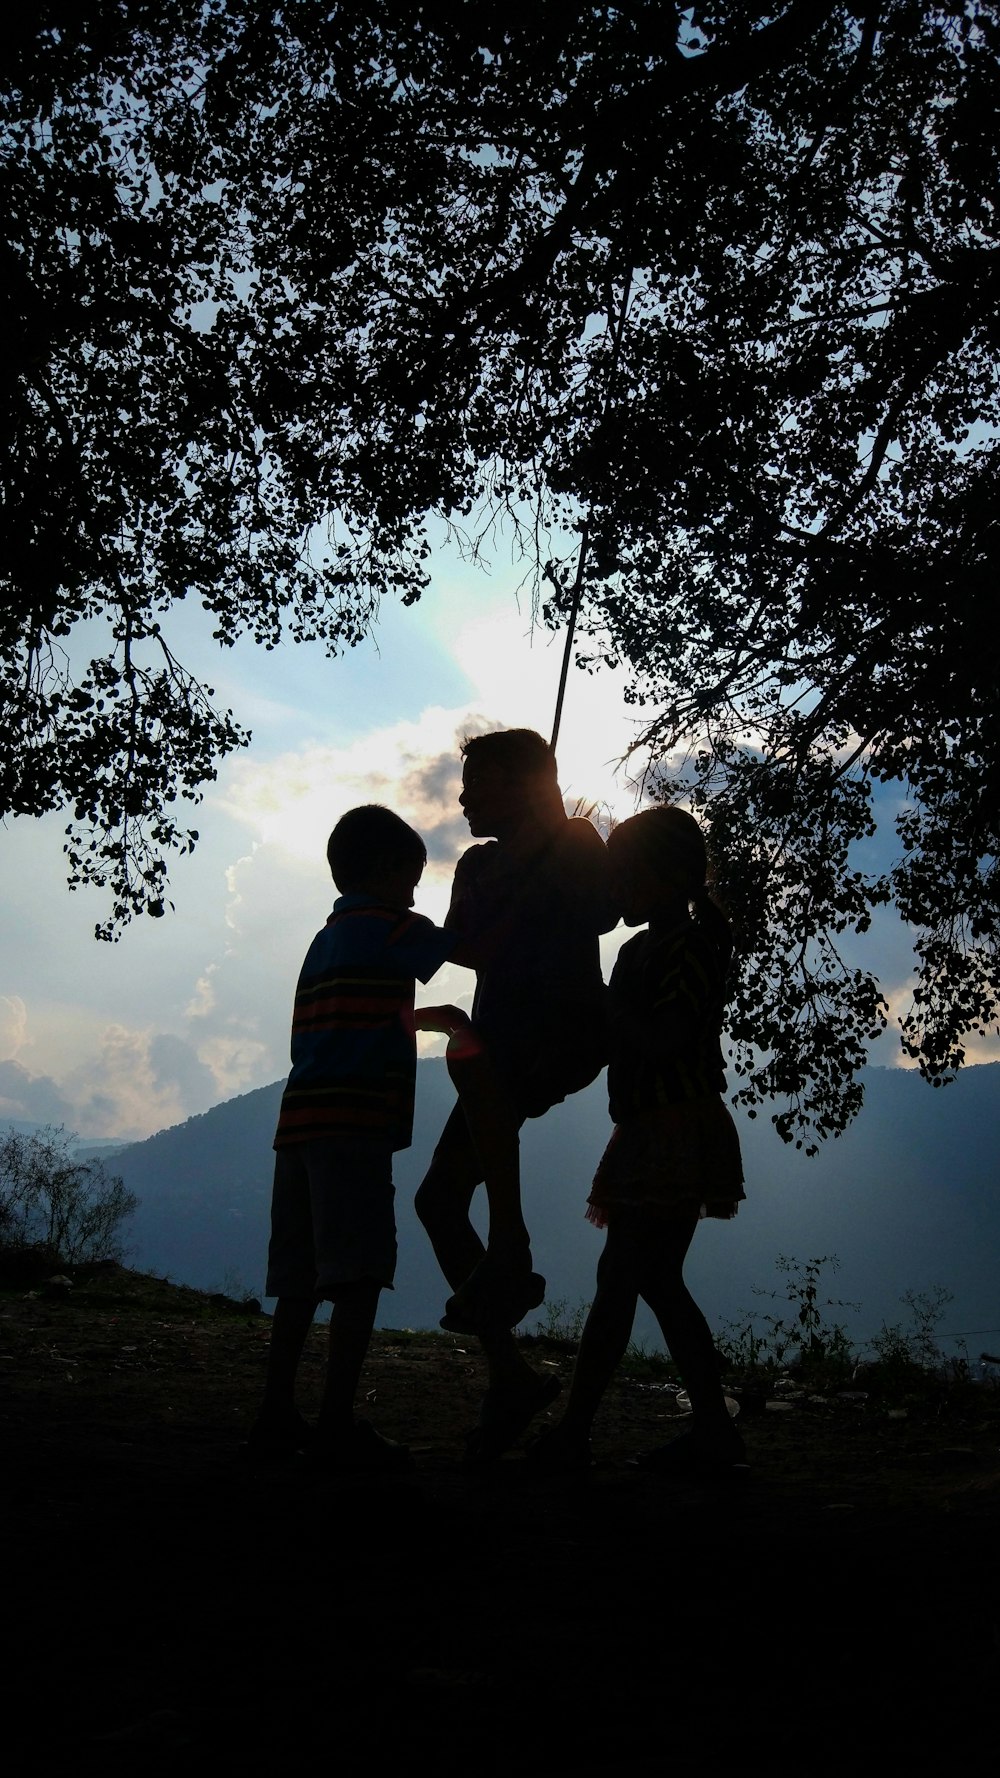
127 1082
202 1001
175 1066
237 1019
117 1088
294 800
427 797
240 1062
35 1097
136 1082
13 1025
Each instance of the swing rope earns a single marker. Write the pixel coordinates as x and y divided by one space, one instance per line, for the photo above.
568 646
581 563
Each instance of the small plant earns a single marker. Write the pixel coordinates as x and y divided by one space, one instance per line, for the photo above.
802 1337
743 1348
643 1361
927 1309
234 1289
53 1200
891 1348
915 1348
560 1322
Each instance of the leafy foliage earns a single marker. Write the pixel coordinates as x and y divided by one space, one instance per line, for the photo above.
72 1208
701 303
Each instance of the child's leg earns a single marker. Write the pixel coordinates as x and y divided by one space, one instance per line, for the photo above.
606 1333
493 1289
444 1198
494 1127
501 1288
352 1319
443 1202
515 1392
291 1278
354 1233
686 1332
290 1324
279 1429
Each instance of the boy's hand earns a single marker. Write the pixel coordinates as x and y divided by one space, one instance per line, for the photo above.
464 1041
449 1020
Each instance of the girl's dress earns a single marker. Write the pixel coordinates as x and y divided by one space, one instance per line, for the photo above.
675 1145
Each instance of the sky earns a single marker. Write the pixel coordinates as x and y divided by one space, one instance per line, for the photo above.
119 1041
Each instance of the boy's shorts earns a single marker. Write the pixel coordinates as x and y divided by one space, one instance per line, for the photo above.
332 1217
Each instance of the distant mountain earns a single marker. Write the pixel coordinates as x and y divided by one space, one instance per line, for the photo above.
907 1199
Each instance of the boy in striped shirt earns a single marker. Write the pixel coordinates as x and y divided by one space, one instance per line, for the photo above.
347 1107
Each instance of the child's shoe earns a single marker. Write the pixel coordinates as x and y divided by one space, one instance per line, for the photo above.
496 1294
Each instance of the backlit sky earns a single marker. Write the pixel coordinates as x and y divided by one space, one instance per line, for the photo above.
120 1041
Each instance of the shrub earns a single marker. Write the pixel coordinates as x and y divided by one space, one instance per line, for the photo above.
52 1199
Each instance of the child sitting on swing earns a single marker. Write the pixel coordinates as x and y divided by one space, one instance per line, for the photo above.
533 898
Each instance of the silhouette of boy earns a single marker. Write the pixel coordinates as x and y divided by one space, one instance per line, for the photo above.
347 1107
533 902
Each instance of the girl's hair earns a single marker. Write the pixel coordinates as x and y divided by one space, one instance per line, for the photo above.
670 841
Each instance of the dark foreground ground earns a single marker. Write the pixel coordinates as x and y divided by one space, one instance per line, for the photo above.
167 1606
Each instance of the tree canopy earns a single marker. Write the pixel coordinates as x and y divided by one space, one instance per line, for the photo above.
703 302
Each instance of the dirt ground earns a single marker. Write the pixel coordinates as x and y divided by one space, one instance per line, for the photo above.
166 1602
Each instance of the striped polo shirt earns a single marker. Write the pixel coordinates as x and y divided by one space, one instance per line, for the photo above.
354 1052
